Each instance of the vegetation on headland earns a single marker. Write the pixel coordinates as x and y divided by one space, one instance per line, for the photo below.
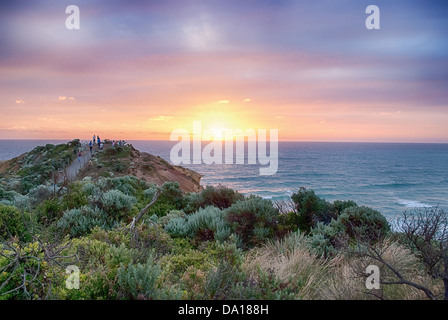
134 239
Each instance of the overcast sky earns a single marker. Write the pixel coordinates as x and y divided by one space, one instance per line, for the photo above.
140 69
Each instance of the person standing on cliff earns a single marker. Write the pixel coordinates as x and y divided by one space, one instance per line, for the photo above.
99 141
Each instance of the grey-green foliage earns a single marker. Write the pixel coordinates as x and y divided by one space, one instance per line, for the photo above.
326 239
207 219
353 224
140 281
151 191
253 219
89 188
220 197
117 255
177 227
364 223
127 184
79 221
41 193
163 221
16 199
116 203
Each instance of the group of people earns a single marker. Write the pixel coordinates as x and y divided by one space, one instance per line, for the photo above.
96 141
120 143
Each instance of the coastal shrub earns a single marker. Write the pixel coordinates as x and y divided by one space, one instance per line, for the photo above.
253 219
220 197
18 200
163 221
205 224
208 223
150 192
339 206
113 236
142 282
327 239
32 262
171 194
117 255
49 211
41 193
75 197
12 223
116 204
89 188
7 194
78 222
177 227
128 184
364 223
290 264
354 224
170 198
175 265
311 209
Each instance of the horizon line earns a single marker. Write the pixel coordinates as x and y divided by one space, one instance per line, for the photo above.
301 141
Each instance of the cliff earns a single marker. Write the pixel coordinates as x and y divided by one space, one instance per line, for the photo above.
48 164
122 161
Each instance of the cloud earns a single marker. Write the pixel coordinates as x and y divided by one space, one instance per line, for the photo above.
161 118
64 98
20 101
247 100
224 101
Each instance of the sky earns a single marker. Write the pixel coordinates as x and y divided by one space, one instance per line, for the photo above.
141 69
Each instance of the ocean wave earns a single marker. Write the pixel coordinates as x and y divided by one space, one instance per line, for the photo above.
396 185
413 204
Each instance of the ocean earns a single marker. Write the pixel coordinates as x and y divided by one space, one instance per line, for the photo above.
389 177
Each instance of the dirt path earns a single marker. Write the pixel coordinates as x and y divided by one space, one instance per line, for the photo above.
77 165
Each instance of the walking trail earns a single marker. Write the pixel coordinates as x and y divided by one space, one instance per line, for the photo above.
76 165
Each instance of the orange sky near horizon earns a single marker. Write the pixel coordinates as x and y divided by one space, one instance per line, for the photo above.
293 123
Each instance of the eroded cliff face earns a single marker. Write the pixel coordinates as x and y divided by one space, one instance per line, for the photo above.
112 161
122 161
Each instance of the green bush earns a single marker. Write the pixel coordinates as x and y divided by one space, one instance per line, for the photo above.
12 223
220 197
354 224
364 223
254 220
129 185
142 281
49 211
163 221
120 255
326 240
170 198
205 224
75 196
116 204
80 221
311 209
171 194
177 227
